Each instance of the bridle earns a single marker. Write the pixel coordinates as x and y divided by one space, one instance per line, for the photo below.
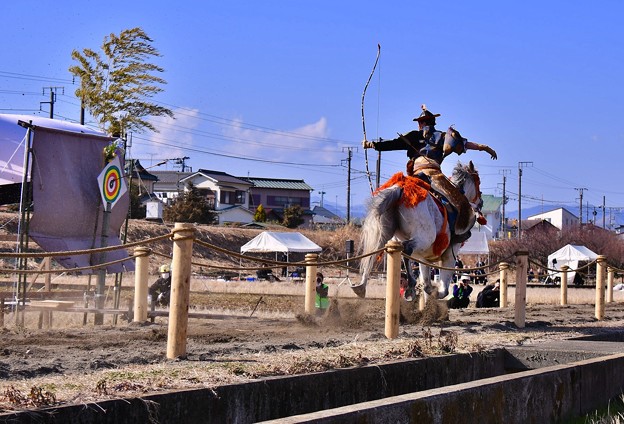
476 202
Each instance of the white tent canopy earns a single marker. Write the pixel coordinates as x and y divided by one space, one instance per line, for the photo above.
269 241
477 244
570 255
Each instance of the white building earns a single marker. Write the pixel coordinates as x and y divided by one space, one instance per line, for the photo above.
560 218
169 184
226 193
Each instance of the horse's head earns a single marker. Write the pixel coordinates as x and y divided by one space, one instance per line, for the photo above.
466 178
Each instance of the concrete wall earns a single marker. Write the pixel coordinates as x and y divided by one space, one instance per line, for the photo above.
279 396
552 394
447 389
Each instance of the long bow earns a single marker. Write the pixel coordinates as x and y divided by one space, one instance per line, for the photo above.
368 174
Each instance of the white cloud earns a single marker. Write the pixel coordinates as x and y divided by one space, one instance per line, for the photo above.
302 144
173 136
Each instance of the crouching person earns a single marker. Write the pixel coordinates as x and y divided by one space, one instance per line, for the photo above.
461 293
489 296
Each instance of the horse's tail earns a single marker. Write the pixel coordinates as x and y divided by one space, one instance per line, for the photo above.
378 227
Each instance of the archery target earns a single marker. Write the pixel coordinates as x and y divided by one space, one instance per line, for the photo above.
112 184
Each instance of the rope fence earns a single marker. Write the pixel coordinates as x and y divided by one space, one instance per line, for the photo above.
183 236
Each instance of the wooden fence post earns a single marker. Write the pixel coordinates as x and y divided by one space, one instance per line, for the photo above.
47 266
504 267
140 283
422 300
600 286
522 262
310 285
610 273
180 289
393 297
564 284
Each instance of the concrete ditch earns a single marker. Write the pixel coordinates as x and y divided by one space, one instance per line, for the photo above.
549 382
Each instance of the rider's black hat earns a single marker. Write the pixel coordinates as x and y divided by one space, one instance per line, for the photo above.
426 116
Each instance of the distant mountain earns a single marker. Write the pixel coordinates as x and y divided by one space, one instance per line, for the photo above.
357 211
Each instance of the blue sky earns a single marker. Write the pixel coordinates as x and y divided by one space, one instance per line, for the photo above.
274 88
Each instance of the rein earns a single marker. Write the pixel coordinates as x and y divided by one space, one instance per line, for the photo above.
477 183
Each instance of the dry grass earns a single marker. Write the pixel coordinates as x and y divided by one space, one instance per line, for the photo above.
136 379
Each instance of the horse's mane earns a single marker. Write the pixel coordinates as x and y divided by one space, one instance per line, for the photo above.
461 173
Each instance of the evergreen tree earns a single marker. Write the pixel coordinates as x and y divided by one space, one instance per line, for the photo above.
190 206
115 87
137 211
293 216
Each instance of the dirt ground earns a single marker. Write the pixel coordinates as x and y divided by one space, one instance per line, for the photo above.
249 336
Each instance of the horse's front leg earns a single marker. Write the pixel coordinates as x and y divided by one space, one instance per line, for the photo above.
425 277
446 276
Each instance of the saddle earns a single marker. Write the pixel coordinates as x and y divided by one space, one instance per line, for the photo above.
460 214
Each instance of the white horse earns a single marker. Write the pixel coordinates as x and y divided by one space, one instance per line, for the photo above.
410 214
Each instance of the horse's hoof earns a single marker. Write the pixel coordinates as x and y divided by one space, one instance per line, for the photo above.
431 291
359 290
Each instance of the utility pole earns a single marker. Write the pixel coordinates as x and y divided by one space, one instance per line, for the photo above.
181 162
520 166
504 172
603 212
349 156
580 190
322 193
52 98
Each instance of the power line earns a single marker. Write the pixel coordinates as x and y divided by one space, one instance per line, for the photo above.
16 75
255 159
238 124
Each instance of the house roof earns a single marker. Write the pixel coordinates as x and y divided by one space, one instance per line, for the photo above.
138 171
532 223
491 203
170 177
277 183
230 208
220 177
321 211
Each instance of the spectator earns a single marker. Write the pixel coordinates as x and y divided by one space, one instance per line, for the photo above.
459 265
284 258
461 293
266 273
489 296
403 285
322 295
160 291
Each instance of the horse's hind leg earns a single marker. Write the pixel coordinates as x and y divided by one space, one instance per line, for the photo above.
379 226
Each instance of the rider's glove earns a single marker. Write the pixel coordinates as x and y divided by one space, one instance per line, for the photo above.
368 144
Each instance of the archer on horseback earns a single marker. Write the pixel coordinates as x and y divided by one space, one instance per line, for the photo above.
426 149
